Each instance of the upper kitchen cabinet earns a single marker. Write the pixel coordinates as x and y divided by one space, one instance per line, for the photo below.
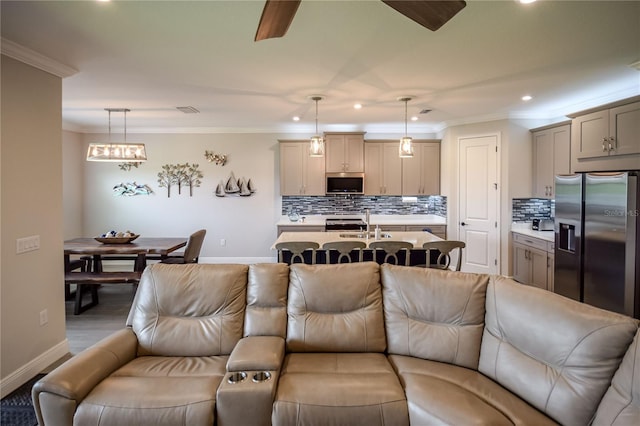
300 174
421 174
382 169
344 152
606 139
551 156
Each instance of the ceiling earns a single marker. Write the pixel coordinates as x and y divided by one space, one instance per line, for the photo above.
153 56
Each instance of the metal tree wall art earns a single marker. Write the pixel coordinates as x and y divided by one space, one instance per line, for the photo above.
190 175
167 177
218 159
179 175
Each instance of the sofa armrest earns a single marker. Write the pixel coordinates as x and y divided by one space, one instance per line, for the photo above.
257 353
57 395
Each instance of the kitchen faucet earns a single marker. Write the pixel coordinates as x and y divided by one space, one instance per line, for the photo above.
367 217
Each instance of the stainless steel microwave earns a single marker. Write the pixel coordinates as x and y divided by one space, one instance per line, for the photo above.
345 183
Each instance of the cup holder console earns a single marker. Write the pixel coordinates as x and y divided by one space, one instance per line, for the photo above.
261 376
237 377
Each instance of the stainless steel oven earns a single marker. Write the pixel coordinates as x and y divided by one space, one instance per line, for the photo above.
344 224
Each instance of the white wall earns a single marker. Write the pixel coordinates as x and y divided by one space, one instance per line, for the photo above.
247 224
73 154
31 194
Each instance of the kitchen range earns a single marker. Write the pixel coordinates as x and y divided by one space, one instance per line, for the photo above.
344 224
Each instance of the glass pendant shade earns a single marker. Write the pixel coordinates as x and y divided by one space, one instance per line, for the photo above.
316 146
316 143
406 147
117 151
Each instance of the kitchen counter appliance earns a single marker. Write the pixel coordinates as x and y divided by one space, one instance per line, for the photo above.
542 225
344 224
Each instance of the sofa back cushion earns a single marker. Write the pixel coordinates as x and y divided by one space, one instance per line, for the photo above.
266 313
335 308
621 404
189 310
557 354
435 315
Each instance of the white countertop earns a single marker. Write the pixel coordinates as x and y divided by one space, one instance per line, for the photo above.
525 229
376 219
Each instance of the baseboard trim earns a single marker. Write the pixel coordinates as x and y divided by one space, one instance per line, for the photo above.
25 373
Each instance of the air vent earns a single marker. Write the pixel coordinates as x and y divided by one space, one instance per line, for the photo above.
425 111
188 109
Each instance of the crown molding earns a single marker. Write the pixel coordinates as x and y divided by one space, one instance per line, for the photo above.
35 59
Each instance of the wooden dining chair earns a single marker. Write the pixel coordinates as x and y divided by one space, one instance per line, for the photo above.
297 248
444 258
391 249
344 249
191 251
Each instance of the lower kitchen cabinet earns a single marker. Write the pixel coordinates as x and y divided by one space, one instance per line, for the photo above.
533 261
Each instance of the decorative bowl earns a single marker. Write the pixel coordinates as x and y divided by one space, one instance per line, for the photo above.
116 240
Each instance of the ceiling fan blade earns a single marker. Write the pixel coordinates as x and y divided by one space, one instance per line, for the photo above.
429 14
276 18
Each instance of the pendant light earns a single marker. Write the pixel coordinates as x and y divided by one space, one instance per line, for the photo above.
316 144
117 151
405 148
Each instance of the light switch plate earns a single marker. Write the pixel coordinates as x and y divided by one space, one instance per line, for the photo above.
27 244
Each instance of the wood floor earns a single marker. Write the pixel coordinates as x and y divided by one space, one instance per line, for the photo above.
99 321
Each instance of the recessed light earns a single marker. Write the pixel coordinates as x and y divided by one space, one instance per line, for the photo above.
526 1
414 118
296 118
527 98
357 106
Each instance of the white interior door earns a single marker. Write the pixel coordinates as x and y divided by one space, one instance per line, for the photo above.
478 198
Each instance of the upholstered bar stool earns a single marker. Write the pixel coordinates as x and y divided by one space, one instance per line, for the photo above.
391 249
297 248
444 258
344 249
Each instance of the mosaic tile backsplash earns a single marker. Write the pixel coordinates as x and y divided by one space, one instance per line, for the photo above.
356 204
526 209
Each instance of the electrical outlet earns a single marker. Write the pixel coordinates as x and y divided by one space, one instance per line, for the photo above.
26 244
44 317
223 242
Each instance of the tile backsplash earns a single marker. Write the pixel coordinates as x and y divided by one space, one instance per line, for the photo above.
356 204
526 209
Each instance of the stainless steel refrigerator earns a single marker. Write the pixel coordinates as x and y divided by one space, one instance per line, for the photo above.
597 234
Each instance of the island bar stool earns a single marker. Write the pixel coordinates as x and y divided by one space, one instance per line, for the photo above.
444 258
391 248
297 248
344 248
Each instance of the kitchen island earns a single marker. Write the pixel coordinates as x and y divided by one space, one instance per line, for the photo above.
416 238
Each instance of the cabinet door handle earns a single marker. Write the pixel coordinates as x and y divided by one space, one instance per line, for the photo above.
611 143
604 141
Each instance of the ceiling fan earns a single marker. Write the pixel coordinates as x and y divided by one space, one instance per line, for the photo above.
278 14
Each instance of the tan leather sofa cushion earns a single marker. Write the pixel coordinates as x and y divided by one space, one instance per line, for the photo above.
335 308
439 393
432 314
621 404
339 389
557 354
156 390
267 288
189 310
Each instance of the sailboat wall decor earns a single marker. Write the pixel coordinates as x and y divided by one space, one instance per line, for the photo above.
238 187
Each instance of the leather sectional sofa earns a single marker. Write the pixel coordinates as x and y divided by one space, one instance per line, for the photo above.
350 344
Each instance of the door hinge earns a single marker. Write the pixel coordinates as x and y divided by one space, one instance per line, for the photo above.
496 148
495 262
495 186
495 224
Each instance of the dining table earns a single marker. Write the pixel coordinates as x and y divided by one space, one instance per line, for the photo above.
92 275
